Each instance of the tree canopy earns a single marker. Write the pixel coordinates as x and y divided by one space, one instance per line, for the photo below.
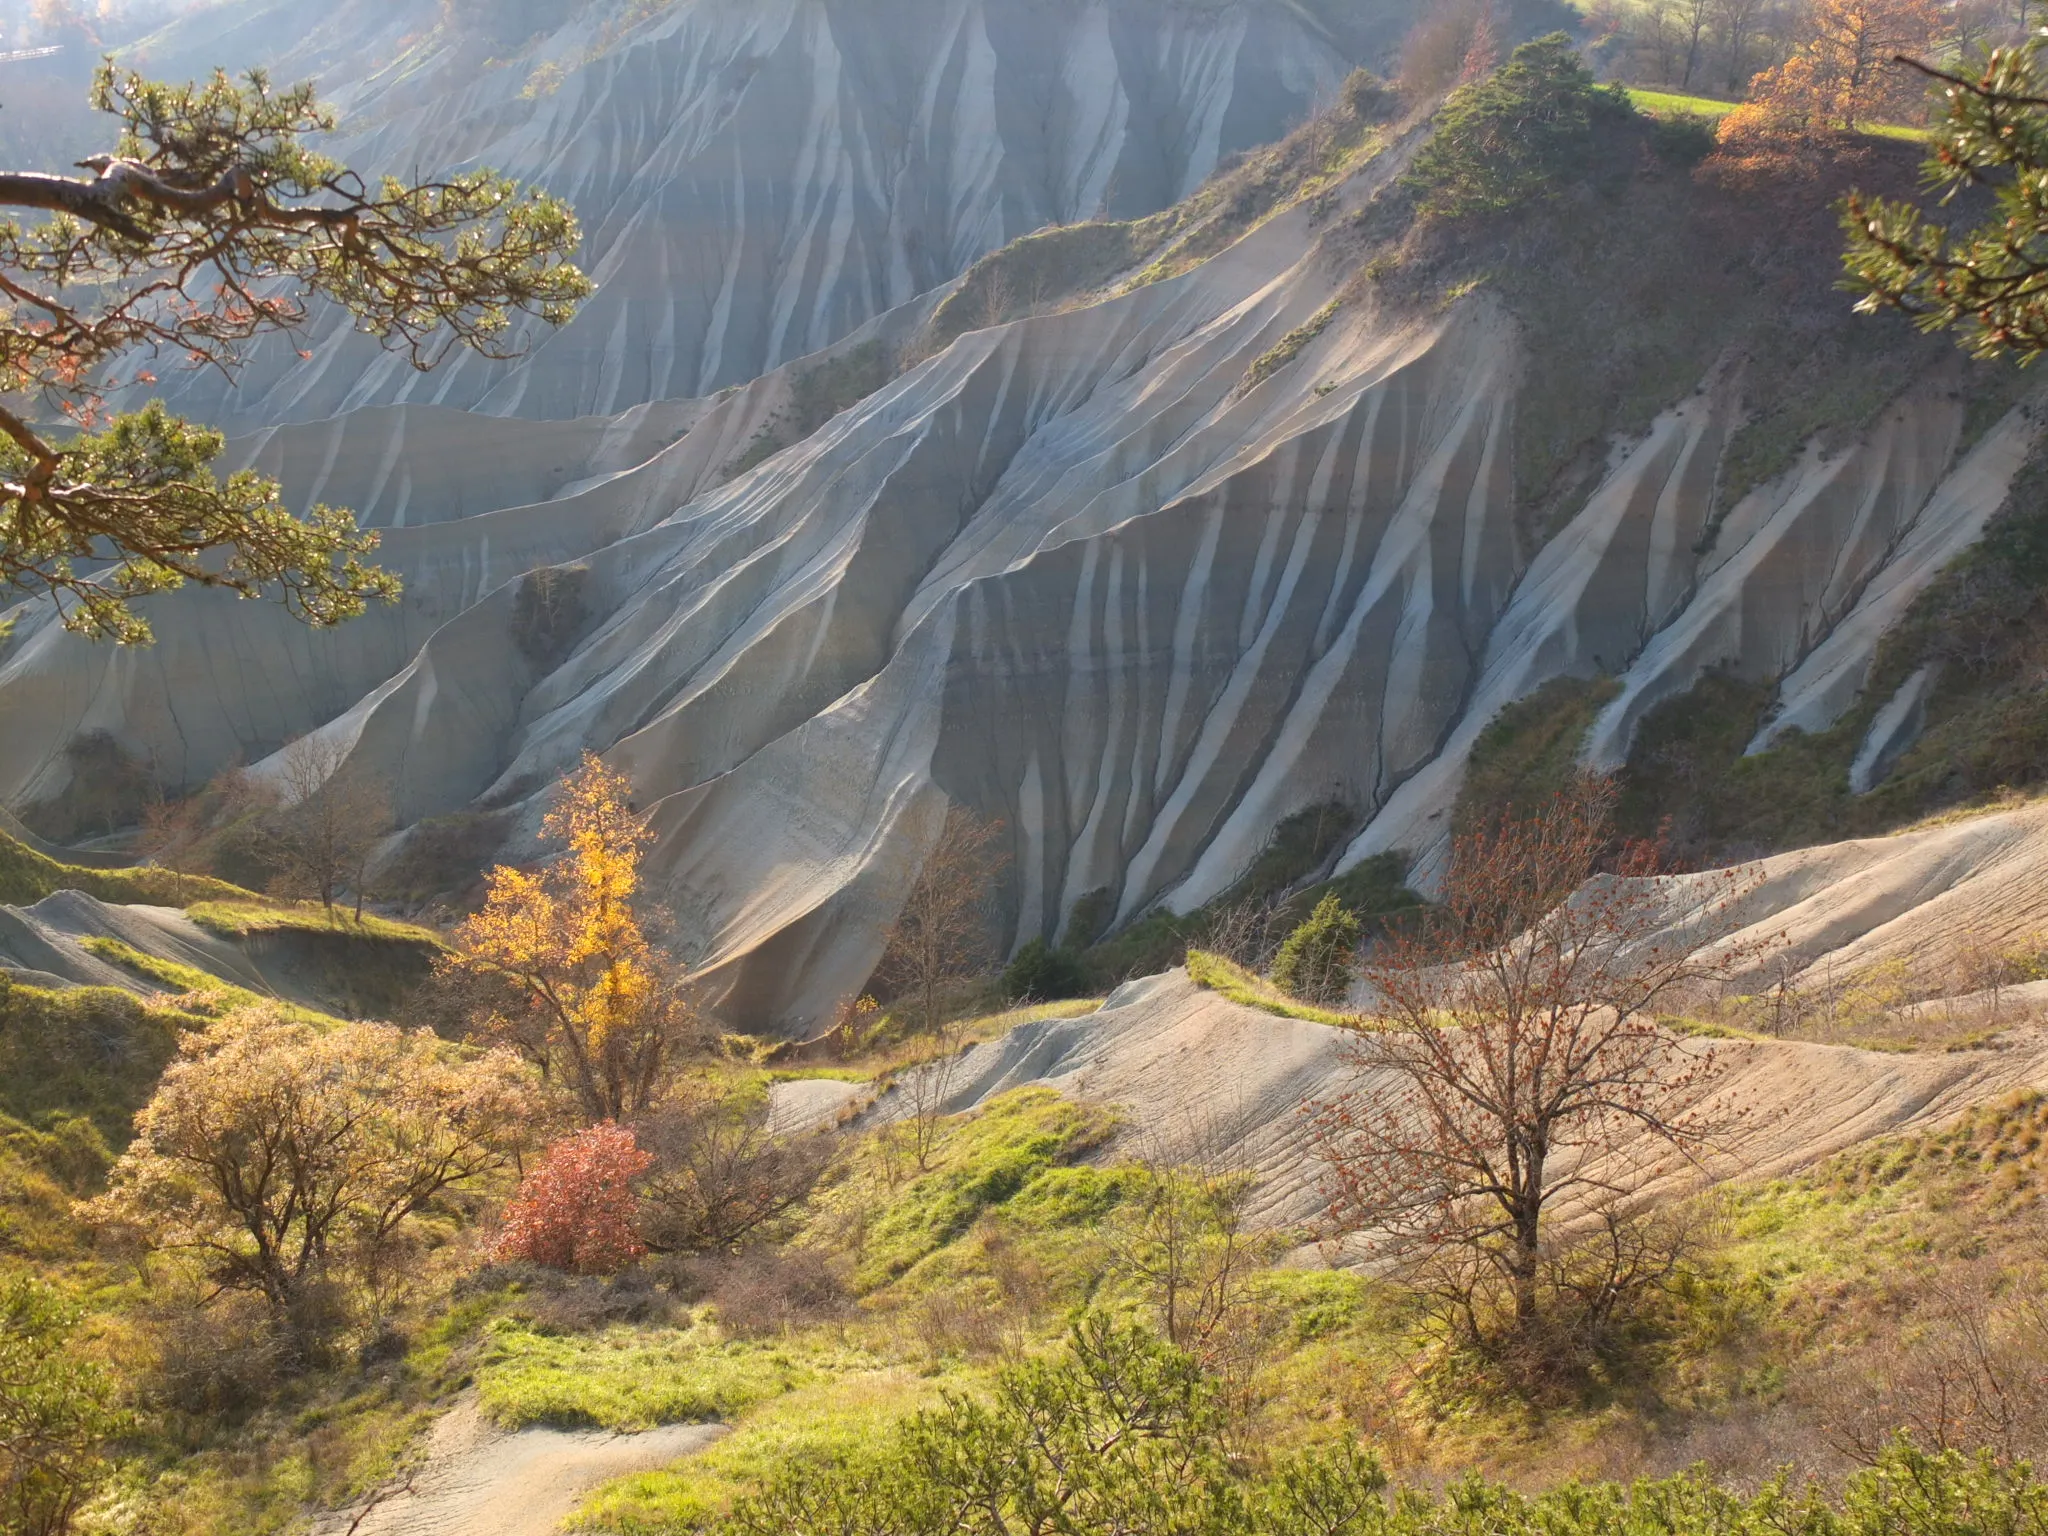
556 963
1988 281
1844 74
1508 139
210 223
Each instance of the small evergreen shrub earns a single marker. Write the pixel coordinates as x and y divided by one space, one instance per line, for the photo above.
1516 137
1042 974
1315 962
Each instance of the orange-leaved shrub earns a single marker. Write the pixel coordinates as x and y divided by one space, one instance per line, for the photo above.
574 1211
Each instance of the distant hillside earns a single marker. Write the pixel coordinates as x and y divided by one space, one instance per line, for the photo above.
755 180
1146 539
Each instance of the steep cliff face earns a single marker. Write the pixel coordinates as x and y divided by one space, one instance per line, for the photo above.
1174 556
757 178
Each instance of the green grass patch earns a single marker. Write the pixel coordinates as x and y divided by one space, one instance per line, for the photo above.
981 1161
814 1074
844 1414
1677 104
993 1026
241 919
90 1051
1530 750
1673 104
634 1378
27 876
1229 980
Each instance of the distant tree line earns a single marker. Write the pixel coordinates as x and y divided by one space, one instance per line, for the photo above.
1720 47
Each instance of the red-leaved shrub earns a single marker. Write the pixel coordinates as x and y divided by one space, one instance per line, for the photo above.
574 1211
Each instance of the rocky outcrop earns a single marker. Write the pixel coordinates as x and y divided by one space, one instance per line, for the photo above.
1795 586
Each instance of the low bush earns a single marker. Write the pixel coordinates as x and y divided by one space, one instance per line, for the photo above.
1120 1431
575 1210
718 1176
1314 963
56 1413
1516 137
763 1291
549 612
1042 974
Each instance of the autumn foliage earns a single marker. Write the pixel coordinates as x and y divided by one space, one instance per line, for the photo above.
557 965
1843 76
289 1158
574 1211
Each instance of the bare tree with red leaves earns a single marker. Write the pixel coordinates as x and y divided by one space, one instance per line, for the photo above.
1516 1070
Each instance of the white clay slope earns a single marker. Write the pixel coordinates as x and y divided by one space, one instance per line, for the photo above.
1068 572
756 178
1204 1078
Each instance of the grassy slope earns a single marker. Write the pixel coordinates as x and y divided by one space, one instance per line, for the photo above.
1811 1273
27 877
1250 990
953 1267
1673 104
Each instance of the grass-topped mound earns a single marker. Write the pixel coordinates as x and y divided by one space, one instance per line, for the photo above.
251 916
1248 989
357 967
27 876
1636 260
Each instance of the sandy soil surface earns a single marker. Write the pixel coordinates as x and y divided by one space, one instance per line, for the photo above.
812 1103
1198 1075
476 1480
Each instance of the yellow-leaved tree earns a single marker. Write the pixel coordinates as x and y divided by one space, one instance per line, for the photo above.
557 965
1844 75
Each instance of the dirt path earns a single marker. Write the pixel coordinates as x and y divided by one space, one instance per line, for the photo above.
479 1481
